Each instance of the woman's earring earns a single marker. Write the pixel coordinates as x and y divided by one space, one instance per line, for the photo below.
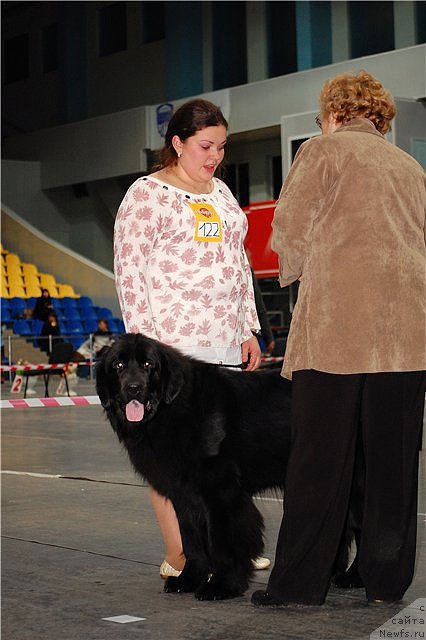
179 154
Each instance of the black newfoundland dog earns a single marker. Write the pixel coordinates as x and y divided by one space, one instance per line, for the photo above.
208 439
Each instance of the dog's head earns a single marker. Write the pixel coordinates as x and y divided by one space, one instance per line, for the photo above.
134 376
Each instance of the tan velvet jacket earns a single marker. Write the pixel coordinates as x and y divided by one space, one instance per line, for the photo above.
350 220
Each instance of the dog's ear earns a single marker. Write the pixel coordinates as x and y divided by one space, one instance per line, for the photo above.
173 385
102 382
213 433
171 376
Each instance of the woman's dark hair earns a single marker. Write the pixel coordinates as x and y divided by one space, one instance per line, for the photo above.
191 117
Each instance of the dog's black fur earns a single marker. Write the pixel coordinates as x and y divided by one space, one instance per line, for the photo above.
210 438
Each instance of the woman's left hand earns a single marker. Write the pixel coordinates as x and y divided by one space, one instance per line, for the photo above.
250 352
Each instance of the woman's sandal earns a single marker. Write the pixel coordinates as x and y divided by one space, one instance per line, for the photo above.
166 569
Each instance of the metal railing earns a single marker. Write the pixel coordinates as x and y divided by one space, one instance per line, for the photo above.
50 341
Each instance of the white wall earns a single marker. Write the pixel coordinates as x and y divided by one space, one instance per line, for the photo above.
114 144
84 225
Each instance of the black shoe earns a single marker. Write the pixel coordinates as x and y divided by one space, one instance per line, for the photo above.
264 599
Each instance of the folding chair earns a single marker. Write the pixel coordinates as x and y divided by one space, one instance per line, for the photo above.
61 354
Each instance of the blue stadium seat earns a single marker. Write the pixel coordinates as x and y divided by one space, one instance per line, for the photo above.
88 313
5 303
31 302
76 342
68 303
6 315
84 302
36 326
74 326
120 325
63 327
112 325
22 327
90 325
103 312
17 305
57 304
71 314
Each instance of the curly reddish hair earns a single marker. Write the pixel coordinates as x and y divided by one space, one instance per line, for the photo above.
360 95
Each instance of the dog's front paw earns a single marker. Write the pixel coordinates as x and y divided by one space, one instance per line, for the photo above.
185 583
217 591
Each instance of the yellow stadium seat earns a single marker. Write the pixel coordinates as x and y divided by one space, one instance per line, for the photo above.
4 283
13 268
67 291
33 291
31 280
47 280
3 251
29 269
14 279
3 269
53 291
16 291
12 258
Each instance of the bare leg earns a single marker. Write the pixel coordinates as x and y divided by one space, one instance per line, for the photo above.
169 526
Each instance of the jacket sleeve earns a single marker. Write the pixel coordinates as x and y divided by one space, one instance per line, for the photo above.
139 222
298 206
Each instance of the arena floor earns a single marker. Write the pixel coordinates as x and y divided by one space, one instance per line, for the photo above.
80 544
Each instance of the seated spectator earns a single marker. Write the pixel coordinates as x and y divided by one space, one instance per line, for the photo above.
43 306
50 328
93 346
25 314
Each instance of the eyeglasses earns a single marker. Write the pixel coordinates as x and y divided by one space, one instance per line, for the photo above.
318 121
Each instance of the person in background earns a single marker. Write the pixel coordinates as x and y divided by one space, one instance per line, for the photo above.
102 337
266 337
350 222
43 306
92 347
181 271
50 328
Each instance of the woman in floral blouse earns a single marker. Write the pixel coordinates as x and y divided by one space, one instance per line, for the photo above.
182 274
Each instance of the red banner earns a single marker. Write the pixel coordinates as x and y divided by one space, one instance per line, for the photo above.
258 241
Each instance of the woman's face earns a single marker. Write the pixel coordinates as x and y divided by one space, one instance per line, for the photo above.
202 153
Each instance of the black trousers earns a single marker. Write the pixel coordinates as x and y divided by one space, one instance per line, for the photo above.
327 410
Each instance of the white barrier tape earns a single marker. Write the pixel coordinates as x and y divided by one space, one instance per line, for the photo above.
45 367
42 367
32 403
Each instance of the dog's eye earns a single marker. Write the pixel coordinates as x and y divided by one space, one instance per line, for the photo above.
147 365
118 365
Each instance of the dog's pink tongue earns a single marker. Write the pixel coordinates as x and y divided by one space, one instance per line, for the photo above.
134 411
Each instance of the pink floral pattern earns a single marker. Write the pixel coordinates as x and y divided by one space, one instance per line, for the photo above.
176 289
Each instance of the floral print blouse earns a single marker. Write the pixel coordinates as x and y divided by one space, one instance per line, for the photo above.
182 274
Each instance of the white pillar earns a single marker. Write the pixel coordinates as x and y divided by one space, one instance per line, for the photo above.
257 54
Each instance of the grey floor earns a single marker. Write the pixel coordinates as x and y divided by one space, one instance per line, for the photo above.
80 544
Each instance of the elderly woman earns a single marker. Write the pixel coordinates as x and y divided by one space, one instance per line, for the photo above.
350 225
